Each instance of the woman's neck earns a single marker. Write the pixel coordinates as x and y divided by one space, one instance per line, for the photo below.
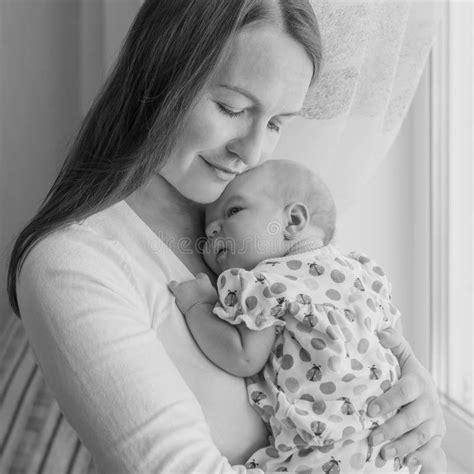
165 210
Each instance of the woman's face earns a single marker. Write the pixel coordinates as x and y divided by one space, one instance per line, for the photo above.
238 118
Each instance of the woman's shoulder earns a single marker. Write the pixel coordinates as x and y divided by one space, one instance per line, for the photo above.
80 269
93 237
81 251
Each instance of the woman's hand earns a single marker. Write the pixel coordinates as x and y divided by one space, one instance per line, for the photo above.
417 429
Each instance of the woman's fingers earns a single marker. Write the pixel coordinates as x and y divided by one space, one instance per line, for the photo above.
410 442
430 456
394 340
403 392
418 425
409 418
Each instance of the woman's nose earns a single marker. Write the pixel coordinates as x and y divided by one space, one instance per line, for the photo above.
212 229
250 146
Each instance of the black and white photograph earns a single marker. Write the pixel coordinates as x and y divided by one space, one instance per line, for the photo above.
236 236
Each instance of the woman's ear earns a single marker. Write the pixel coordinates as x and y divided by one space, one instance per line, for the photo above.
297 219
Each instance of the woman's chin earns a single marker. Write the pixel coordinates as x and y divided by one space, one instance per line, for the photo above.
204 194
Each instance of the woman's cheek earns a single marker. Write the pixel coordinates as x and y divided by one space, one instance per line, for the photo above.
211 127
198 132
219 128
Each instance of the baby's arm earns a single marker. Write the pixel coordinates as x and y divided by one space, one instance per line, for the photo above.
236 349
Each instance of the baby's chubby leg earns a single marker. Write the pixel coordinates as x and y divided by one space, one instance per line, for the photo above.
192 292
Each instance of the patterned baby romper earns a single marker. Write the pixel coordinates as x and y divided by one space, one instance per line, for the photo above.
326 364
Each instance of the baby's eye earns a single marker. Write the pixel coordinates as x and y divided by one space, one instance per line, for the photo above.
233 210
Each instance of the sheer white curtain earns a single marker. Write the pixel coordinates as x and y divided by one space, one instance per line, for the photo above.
375 52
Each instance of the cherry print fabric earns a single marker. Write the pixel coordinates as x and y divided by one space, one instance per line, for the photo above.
326 364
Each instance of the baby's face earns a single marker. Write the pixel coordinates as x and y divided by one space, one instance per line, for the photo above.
244 226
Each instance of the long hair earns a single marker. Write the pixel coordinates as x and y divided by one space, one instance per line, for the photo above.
169 54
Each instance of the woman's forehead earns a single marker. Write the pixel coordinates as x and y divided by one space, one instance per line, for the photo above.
268 66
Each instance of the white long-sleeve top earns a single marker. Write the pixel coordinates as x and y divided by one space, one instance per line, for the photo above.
117 354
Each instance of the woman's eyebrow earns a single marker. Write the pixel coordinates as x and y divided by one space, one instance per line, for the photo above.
254 99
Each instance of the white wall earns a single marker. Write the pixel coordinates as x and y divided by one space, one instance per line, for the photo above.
381 223
104 24
39 107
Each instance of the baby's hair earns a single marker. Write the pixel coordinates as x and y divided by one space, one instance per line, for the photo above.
293 182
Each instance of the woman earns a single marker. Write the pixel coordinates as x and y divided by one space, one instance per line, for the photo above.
199 94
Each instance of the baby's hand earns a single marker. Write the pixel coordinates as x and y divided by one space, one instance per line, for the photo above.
189 293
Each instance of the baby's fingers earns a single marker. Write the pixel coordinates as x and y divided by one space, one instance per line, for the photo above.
172 285
178 288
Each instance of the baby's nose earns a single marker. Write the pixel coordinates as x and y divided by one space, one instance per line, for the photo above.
212 229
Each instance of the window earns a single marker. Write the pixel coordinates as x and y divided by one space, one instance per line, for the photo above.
452 225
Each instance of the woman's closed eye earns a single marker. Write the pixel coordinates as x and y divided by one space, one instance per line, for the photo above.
226 110
233 210
229 111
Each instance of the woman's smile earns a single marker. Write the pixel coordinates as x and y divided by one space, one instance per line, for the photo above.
224 174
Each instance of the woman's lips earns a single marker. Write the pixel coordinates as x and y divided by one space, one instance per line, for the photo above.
222 173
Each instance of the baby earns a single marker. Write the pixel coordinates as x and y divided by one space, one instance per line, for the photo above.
296 317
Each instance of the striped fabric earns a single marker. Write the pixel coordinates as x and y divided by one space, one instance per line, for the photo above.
35 438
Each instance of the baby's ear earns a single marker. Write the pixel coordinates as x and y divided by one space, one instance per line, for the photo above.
297 219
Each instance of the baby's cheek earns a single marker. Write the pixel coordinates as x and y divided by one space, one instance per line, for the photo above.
248 258
207 255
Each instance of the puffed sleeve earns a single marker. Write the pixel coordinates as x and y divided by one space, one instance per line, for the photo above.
250 298
379 288
90 331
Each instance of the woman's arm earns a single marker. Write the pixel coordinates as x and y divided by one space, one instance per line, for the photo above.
91 333
417 430
236 349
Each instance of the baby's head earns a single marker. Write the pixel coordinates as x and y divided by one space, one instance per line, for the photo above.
264 212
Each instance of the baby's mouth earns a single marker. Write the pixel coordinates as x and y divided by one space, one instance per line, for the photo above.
221 253
220 249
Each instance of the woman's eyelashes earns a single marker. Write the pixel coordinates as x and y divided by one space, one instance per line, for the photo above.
226 110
